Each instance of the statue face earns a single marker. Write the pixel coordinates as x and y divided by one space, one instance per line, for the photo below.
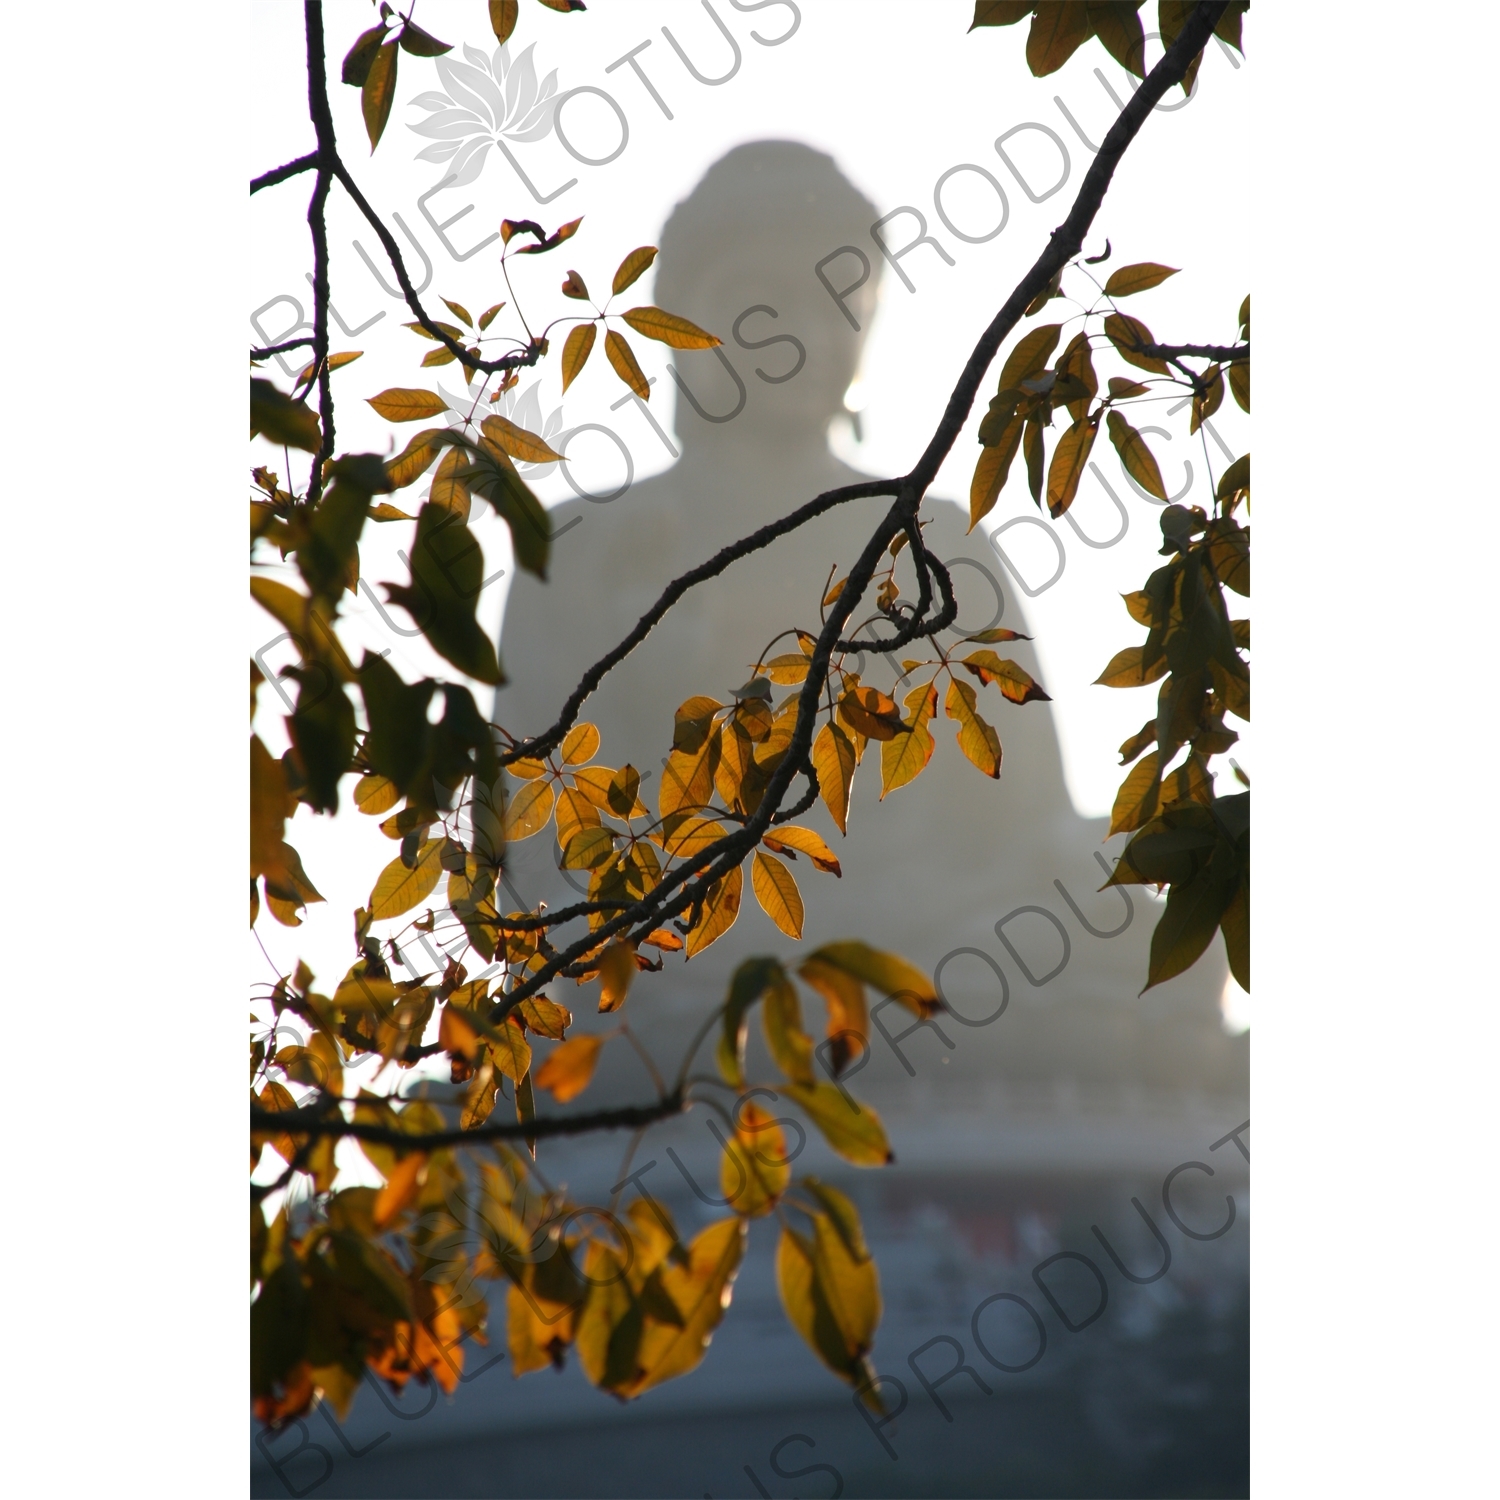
787 387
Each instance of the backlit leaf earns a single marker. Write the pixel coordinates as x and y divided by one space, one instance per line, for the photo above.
785 839
754 1172
853 1131
976 737
376 794
632 268
1124 669
993 469
588 849
574 286
1136 456
1239 383
1119 387
417 42
669 329
1135 802
616 970
1118 27
721 908
518 442
580 744
1235 925
905 757
1068 460
622 359
1058 29
833 760
887 972
776 890
1187 926
398 889
569 1068
1014 681
577 347
869 711
407 404
416 458
1129 280
1126 333
529 812
503 17
379 93
1030 355
361 55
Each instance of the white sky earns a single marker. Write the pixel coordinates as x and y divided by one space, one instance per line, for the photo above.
858 82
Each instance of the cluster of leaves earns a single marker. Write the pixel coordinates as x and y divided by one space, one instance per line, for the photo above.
1186 838
389 1278
370 64
1060 27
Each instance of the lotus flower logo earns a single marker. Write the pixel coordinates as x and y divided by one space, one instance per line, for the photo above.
467 409
488 98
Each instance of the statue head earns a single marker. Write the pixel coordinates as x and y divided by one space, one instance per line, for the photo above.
750 235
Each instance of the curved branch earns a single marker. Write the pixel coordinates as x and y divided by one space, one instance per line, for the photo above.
1224 354
548 739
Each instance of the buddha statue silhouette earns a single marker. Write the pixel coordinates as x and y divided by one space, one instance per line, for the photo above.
931 869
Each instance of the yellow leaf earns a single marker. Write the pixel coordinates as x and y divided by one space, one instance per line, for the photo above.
833 760
848 1011
754 1171
976 738
776 890
575 355
1124 669
588 849
1129 280
580 744
993 469
503 17
404 404
669 329
868 711
888 972
1014 681
687 781
455 1034
632 268
518 442
788 839
660 937
785 670
416 458
854 1132
682 835
569 1068
622 359
379 93
529 811
721 908
1068 460
616 970
1135 802
834 592
402 1185
399 889
574 813
905 757
510 1049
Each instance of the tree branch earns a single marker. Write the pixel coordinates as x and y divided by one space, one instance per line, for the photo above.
1224 354
317 222
280 174
280 348
314 1122
1067 238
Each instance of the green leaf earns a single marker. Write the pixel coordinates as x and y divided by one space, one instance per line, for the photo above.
1239 383
503 17
1235 925
749 982
993 469
1124 669
1129 280
791 1047
361 55
492 476
1139 462
1187 926
279 419
1118 27
999 12
447 570
1058 30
